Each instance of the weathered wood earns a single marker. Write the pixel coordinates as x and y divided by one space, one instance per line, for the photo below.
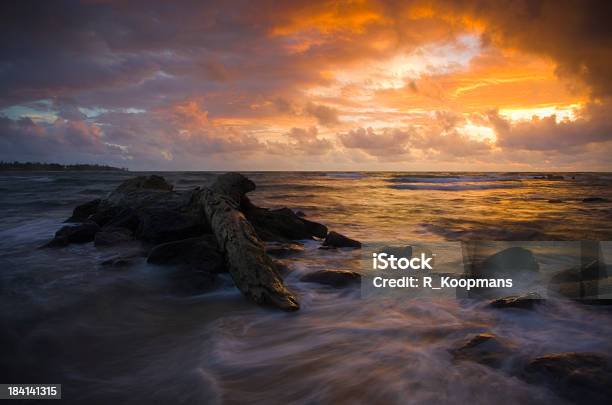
251 268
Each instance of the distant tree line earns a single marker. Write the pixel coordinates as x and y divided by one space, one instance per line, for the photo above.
56 167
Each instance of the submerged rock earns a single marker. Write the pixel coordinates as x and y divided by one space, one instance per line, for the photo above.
82 233
334 278
199 253
484 348
582 282
334 239
594 270
580 377
82 212
526 301
509 262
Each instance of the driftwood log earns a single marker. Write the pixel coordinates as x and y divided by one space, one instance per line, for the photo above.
252 270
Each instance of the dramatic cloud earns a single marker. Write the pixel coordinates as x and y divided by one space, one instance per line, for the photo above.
382 84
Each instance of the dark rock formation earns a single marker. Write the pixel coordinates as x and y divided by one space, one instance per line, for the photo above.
110 236
118 217
153 182
199 253
580 377
278 249
203 231
508 262
592 271
82 212
252 270
526 301
81 233
484 348
161 225
334 278
334 239
280 224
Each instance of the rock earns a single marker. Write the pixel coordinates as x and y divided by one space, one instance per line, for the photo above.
82 212
555 201
82 233
509 262
594 200
199 253
300 214
160 225
280 224
581 377
110 236
152 182
235 186
278 249
588 282
484 348
595 270
526 301
334 239
334 278
253 271
398 251
124 218
554 177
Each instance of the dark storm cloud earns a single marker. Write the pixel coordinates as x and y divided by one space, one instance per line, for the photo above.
577 34
139 66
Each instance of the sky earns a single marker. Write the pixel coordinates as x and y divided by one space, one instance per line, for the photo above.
470 85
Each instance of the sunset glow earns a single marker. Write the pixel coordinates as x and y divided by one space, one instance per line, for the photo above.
226 87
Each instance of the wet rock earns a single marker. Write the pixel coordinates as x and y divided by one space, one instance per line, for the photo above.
161 225
82 233
278 249
253 271
554 177
334 239
594 200
398 251
82 212
334 278
526 301
582 283
595 270
199 253
280 224
555 201
484 348
124 218
300 214
153 182
580 377
509 262
112 236
235 186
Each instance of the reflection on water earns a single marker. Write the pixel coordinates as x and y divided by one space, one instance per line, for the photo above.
107 333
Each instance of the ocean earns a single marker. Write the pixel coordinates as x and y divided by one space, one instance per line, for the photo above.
107 334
